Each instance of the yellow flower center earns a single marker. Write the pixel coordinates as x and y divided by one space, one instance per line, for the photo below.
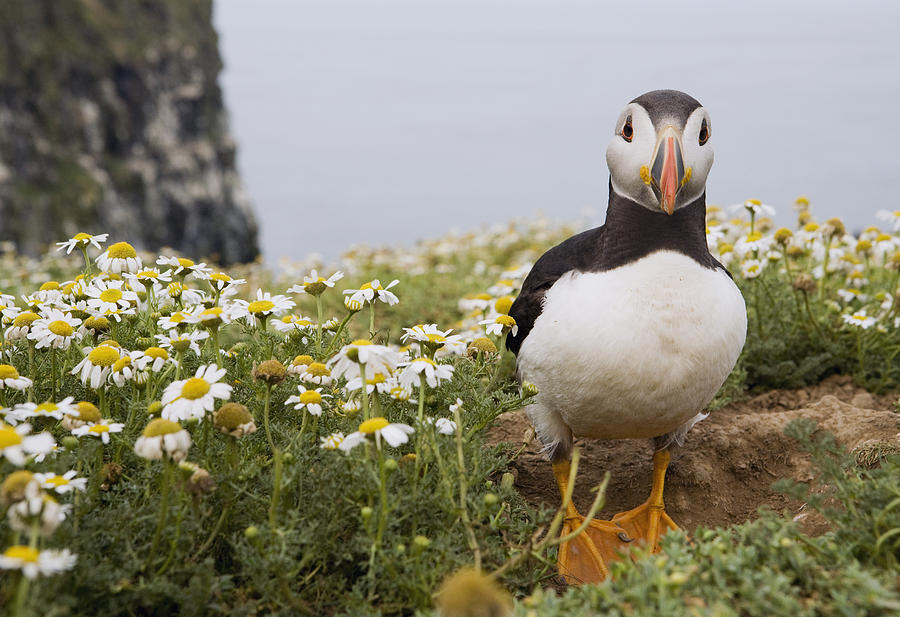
483 296
302 360
82 237
360 342
24 319
882 237
103 355
25 553
194 388
211 313
121 363
810 227
376 379
175 289
260 306
148 274
502 305
505 320
310 397
157 352
370 426
754 202
754 237
111 343
220 276
317 369
97 323
47 408
177 317
56 481
185 263
99 428
367 286
60 328
121 250
88 412
8 372
49 285
111 295
160 426
9 437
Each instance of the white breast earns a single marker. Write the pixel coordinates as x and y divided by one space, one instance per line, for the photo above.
632 352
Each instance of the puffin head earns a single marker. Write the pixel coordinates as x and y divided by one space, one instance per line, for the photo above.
661 152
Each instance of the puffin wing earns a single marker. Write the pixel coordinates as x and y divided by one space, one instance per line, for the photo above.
572 254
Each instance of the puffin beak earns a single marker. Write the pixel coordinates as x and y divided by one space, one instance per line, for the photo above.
667 171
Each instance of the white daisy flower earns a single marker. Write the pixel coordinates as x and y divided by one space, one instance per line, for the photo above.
500 325
351 407
752 242
476 302
96 365
21 326
315 285
16 442
751 268
161 438
224 284
82 240
311 400
192 398
34 563
859 319
263 307
183 341
395 434
49 409
850 294
891 217
37 510
291 323
755 207
316 373
123 370
111 296
118 258
434 373
185 267
433 337
61 483
176 320
100 429
153 359
10 378
444 426
55 329
377 358
369 291
331 442
378 381
149 277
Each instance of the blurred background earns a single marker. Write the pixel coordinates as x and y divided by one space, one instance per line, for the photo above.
383 122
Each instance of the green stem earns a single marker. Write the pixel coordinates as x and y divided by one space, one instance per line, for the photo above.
372 319
463 498
337 334
319 325
363 393
163 509
382 519
21 595
174 543
52 373
276 491
859 353
266 418
87 262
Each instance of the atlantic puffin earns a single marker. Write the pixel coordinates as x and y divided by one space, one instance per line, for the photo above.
628 330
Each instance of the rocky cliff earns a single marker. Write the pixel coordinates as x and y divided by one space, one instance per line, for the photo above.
111 120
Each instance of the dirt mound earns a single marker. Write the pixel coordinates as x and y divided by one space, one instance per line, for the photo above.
725 470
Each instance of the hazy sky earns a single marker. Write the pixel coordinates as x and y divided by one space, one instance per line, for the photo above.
388 121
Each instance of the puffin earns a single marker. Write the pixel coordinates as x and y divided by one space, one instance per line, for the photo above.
629 329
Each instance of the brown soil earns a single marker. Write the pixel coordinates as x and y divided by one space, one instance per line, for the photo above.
725 470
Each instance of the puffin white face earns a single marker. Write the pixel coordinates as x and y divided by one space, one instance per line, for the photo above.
663 166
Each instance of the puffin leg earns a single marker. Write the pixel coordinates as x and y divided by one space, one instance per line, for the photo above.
649 520
583 559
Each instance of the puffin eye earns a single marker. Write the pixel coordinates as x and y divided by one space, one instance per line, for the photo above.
704 132
627 130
